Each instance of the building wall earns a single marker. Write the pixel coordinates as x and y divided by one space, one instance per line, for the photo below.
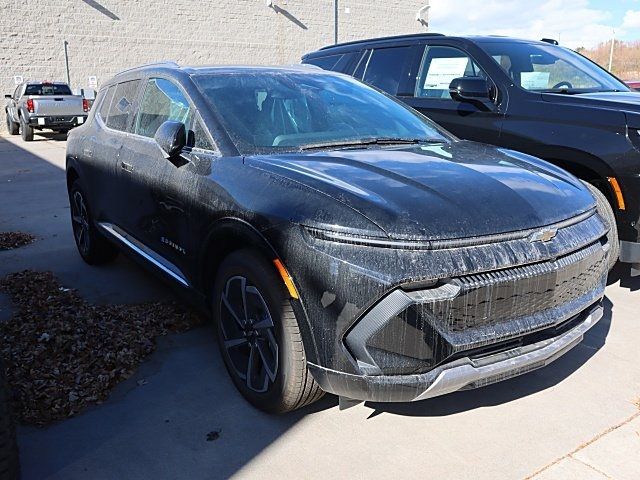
106 36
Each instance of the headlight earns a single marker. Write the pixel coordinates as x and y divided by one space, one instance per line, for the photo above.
365 240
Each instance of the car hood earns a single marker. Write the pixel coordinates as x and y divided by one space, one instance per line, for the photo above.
598 99
438 192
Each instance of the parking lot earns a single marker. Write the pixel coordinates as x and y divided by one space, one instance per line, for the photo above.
578 418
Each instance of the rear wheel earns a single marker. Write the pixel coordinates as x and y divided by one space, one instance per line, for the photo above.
92 246
259 336
606 212
9 466
12 126
26 131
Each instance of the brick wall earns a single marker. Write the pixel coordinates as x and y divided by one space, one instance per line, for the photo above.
106 36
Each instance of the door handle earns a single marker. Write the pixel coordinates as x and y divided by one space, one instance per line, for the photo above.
127 167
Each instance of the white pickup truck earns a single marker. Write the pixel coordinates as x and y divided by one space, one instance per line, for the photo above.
44 105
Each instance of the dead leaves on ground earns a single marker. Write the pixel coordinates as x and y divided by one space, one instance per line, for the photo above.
63 354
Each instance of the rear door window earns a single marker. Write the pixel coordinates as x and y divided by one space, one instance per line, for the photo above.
385 68
162 101
122 105
440 65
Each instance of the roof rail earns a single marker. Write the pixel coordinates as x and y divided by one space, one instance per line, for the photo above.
550 40
152 64
394 37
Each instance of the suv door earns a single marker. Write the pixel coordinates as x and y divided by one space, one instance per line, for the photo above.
439 65
157 193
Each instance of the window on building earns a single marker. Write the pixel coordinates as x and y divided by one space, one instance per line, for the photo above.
122 106
385 67
440 65
162 101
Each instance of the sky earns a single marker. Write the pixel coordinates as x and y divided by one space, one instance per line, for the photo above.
575 23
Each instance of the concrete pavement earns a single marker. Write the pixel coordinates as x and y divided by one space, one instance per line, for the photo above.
578 418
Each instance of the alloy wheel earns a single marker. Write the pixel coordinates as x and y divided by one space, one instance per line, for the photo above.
80 220
249 334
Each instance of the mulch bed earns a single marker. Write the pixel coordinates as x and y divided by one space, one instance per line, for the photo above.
9 240
63 354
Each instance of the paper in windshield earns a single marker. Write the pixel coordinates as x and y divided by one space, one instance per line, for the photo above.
535 80
443 70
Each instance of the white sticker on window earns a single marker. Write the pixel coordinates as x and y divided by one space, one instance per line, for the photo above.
443 70
80 120
535 80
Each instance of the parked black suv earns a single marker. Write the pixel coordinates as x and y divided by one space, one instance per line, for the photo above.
534 97
342 241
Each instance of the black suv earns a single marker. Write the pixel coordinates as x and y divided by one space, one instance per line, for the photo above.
341 241
534 97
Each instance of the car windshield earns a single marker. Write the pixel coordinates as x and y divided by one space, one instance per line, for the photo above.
288 111
47 89
550 68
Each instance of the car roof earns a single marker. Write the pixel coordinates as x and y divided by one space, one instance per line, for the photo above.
176 70
346 46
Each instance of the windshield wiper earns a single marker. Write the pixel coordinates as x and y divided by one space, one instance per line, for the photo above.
370 141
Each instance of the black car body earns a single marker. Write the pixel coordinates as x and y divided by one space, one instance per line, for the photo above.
414 266
589 124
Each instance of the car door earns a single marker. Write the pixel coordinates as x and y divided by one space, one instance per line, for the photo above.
438 66
156 196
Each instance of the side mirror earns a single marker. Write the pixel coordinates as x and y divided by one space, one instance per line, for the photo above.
469 89
8 95
171 137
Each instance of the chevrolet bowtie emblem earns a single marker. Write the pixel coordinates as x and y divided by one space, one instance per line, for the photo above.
543 235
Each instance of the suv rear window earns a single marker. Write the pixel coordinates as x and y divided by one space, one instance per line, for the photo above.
47 89
326 63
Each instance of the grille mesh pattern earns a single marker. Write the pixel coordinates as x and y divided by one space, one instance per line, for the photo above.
491 298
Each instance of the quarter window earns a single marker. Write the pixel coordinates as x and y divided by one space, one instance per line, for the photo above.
326 63
385 68
440 65
201 139
122 107
106 103
162 101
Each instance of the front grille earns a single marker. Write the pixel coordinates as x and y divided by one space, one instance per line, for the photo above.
488 299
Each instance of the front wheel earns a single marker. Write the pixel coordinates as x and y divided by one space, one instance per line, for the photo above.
259 336
606 212
92 246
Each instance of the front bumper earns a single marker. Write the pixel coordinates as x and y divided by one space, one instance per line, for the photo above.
57 121
461 374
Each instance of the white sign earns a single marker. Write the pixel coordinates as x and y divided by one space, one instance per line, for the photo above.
17 79
535 80
443 70
92 82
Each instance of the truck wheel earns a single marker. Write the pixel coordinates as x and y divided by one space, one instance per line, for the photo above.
606 212
9 466
26 131
12 126
259 336
92 246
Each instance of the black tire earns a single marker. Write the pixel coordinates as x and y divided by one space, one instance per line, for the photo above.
26 131
286 384
606 212
93 247
12 126
9 463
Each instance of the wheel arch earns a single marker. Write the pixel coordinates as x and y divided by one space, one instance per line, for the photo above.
230 234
